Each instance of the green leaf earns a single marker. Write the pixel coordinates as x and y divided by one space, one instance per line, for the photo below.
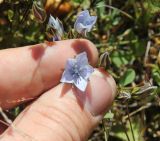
154 6
135 89
10 15
128 77
119 59
109 115
156 75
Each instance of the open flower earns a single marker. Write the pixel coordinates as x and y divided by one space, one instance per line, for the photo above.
77 71
57 25
84 22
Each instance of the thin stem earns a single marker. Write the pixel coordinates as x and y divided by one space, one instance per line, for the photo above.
115 44
147 51
5 123
138 110
125 131
105 132
26 12
110 10
114 8
5 116
130 123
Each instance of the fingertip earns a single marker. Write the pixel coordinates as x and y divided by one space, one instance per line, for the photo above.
103 73
100 92
84 45
93 55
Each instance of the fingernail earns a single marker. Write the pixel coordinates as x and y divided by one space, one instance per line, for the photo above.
100 92
110 80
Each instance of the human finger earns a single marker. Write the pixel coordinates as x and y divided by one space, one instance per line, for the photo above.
64 113
29 71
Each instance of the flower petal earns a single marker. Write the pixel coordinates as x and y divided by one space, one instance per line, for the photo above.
82 29
79 27
84 22
57 25
67 74
56 38
92 20
82 16
90 23
70 64
67 77
82 59
81 84
52 22
86 71
60 28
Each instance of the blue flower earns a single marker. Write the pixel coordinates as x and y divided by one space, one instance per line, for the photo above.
77 71
84 22
57 25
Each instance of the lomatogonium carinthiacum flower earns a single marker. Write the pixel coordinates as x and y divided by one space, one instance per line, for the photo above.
84 22
57 25
77 71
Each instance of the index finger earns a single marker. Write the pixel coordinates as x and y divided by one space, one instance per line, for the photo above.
28 71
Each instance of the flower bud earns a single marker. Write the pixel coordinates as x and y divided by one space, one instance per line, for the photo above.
39 13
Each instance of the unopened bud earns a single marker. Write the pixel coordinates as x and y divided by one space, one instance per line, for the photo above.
39 13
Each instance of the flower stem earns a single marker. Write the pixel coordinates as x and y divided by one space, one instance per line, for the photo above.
106 133
125 131
130 123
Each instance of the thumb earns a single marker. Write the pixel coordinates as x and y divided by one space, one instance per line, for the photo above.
64 113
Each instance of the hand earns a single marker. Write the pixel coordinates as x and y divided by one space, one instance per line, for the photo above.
62 112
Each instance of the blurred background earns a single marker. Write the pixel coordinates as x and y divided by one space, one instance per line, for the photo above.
127 36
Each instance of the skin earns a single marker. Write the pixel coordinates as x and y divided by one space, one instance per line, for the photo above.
60 111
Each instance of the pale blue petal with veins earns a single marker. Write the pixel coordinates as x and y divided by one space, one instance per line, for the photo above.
58 26
84 22
77 71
